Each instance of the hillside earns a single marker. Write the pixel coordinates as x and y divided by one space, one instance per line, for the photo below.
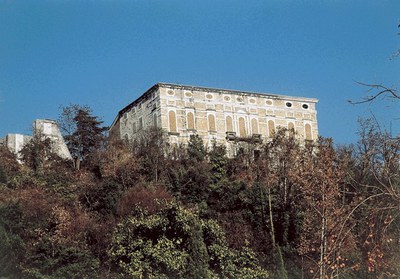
144 209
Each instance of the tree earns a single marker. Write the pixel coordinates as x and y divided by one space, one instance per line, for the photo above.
377 90
43 238
119 163
375 177
173 242
37 151
82 131
278 172
8 164
219 161
196 149
328 242
150 148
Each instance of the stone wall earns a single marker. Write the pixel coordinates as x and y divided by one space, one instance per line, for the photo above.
49 129
226 116
44 128
15 142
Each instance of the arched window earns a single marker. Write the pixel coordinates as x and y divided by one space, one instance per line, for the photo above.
229 124
308 132
172 121
190 120
271 128
242 127
211 123
291 129
254 126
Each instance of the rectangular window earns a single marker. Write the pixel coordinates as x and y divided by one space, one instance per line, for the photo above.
155 120
190 120
140 123
172 121
211 123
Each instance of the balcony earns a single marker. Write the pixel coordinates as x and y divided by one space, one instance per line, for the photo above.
254 138
231 135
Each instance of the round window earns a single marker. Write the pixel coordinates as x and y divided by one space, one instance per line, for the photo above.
227 98
209 96
268 102
289 104
188 94
171 92
305 106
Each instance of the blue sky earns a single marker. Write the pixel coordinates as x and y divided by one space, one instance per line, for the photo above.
106 53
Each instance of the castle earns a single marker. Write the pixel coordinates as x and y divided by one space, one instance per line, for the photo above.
225 116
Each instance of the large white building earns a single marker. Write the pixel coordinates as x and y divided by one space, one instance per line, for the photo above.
227 116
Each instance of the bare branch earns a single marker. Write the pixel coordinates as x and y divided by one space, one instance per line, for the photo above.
380 90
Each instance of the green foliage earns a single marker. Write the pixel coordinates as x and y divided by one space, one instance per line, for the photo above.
103 197
196 149
11 252
228 196
60 261
3 175
153 245
197 266
296 210
42 241
9 166
175 243
36 152
11 244
192 183
150 147
218 161
82 132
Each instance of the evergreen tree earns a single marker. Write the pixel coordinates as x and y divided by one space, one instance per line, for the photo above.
218 161
82 131
196 149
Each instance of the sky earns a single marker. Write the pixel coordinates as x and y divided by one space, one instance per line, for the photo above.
105 54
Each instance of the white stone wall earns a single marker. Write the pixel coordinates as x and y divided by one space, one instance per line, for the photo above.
252 111
144 114
15 143
49 129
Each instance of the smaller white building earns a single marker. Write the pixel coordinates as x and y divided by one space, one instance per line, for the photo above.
15 142
44 128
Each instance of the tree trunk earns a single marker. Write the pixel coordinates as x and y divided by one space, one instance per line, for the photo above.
276 249
77 164
322 265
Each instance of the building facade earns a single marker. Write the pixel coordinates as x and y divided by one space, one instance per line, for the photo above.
225 116
44 128
15 142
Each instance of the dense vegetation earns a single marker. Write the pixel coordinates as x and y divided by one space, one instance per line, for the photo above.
145 209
